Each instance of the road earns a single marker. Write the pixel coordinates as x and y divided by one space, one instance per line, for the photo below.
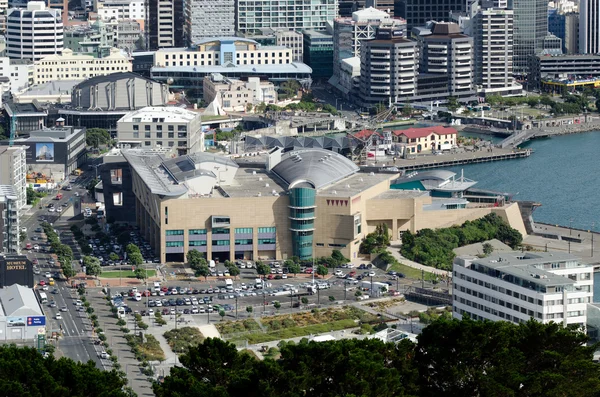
76 342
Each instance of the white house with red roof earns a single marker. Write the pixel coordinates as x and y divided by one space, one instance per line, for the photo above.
417 140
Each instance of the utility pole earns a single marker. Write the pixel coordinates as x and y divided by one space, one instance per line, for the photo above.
593 226
422 278
570 226
569 247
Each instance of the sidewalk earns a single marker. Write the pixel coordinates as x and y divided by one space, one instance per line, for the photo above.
395 251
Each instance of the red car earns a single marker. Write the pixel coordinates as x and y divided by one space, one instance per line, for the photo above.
42 283
352 273
164 289
309 270
270 276
35 261
146 293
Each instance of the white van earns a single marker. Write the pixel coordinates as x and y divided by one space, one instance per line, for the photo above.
121 312
229 284
137 296
156 286
212 264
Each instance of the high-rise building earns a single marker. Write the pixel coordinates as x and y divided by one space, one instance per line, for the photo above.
347 7
445 51
571 40
165 23
9 221
33 33
493 45
253 15
519 286
13 171
209 18
530 29
419 12
121 9
388 69
383 5
589 26
318 53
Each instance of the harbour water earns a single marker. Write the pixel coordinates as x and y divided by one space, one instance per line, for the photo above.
563 174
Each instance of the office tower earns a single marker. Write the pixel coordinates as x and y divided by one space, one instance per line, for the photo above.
383 5
34 33
13 171
388 69
347 7
589 26
530 29
493 45
448 52
165 24
253 15
418 12
9 221
318 53
209 18
571 40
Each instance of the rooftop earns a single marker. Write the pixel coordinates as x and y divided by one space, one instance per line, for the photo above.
111 78
353 185
18 300
254 182
423 132
54 87
171 114
401 194
294 67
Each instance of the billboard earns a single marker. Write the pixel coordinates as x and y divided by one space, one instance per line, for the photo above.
44 152
15 321
36 321
16 269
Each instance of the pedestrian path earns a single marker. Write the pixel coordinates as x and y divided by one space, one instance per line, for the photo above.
395 251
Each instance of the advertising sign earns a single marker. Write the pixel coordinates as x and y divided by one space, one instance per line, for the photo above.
15 321
44 151
36 321
15 270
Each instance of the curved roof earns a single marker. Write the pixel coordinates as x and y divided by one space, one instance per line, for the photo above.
219 39
316 167
109 78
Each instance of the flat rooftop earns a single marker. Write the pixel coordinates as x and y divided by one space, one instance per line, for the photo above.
394 194
250 182
354 184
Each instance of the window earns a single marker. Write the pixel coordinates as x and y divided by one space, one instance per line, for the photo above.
147 143
192 232
267 241
136 134
171 135
171 128
136 127
159 135
266 230
200 243
174 243
220 242
146 128
174 232
220 230
159 127
147 134
240 230
338 245
243 241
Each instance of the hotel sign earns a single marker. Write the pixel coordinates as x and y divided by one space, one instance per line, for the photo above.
16 269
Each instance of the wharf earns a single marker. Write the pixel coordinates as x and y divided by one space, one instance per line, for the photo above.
454 159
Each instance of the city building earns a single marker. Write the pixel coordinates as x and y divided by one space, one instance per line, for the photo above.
165 24
231 57
552 45
33 33
418 12
25 117
388 70
292 40
124 92
13 171
235 95
304 203
589 26
347 7
52 92
427 139
95 39
349 33
318 53
70 66
493 52
349 77
571 40
55 151
565 69
383 5
176 129
519 286
129 35
253 15
21 315
445 51
120 9
9 221
530 28
19 73
209 18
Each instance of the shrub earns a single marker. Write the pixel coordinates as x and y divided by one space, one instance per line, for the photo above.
121 322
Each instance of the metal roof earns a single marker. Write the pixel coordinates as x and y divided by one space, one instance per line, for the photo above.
294 67
318 167
18 300
288 142
109 78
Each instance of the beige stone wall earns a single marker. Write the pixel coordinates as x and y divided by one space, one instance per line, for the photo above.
512 215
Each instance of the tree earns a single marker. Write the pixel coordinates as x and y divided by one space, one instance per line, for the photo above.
135 259
277 305
290 87
292 267
141 273
377 241
96 137
249 309
487 248
202 271
248 107
234 271
322 270
132 248
262 268
22 236
222 314
546 101
113 257
452 104
92 266
331 298
196 259
339 257
598 105
304 301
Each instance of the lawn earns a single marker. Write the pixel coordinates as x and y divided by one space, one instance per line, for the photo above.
411 272
182 339
124 274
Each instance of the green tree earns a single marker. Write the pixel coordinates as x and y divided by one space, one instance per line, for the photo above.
92 266
487 249
292 267
533 101
262 269
135 259
222 314
546 101
249 309
96 137
132 249
304 301
277 305
196 259
141 273
452 104
290 87
202 271
113 257
322 270
22 236
377 241
339 257
234 271
598 105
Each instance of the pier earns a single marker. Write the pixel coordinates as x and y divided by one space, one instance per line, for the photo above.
454 159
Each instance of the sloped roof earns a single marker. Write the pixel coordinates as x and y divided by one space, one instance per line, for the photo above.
18 300
423 132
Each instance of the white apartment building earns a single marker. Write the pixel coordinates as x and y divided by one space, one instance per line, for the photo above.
215 52
69 66
9 221
120 9
18 71
13 171
33 33
235 95
173 128
253 15
493 39
292 40
209 18
517 286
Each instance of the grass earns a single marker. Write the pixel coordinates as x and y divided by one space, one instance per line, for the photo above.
410 272
124 274
182 339
295 332
151 349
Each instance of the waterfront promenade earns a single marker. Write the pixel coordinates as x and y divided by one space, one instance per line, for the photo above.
582 249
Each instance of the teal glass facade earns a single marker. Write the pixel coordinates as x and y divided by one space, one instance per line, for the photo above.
302 220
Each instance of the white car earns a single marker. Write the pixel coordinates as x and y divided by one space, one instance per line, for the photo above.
194 301
371 273
58 316
51 209
78 302
151 312
244 286
195 310
284 276
220 274
103 355
174 291
158 302
242 265
48 275
188 301
59 209
45 287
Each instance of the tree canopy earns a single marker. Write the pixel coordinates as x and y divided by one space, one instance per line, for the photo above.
96 137
377 241
26 373
451 358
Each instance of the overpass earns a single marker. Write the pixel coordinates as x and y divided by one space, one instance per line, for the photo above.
520 137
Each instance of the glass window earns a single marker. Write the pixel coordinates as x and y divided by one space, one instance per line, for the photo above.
243 241
266 230
146 128
267 241
174 243
197 231
220 242
147 134
136 134
220 230
136 127
200 243
171 128
243 230
175 232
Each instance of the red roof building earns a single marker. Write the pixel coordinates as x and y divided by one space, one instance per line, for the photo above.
436 138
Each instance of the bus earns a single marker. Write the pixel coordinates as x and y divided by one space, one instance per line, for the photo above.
43 298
